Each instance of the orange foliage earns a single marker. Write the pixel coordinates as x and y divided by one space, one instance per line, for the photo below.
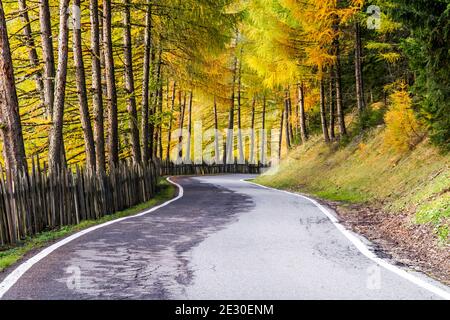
403 130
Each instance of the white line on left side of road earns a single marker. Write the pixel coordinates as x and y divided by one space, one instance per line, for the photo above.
364 249
15 275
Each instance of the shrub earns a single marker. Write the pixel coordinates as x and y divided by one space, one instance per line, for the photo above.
371 117
403 131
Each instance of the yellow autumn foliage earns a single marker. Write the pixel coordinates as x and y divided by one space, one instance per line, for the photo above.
403 130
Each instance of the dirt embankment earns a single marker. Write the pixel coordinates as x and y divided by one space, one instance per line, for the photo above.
395 235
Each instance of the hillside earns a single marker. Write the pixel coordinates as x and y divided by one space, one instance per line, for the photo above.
408 194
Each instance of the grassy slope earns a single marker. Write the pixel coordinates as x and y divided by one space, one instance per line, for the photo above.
365 171
12 255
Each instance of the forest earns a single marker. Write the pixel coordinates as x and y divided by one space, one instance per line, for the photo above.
343 101
94 85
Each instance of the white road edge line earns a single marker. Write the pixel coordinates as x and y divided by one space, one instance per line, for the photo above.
15 275
364 249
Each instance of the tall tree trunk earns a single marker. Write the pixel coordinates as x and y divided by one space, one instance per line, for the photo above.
280 141
302 119
160 111
323 112
129 84
291 131
168 108
153 125
216 134
252 134
338 74
47 56
97 98
332 98
10 126
56 134
32 54
153 128
189 130
111 92
229 150
172 110
339 100
240 142
358 69
145 83
297 117
181 124
263 133
82 94
286 116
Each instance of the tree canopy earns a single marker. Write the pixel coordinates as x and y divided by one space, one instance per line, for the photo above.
120 76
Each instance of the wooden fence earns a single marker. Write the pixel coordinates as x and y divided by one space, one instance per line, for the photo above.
171 169
38 201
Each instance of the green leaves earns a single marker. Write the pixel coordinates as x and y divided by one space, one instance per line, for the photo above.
428 50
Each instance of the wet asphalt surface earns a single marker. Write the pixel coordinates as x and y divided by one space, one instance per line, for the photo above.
224 239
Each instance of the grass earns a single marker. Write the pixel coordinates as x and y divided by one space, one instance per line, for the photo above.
11 255
366 171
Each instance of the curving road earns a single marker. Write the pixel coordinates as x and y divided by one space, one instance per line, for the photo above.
224 239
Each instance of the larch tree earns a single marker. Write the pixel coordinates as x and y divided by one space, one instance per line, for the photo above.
239 114
172 110
97 93
358 68
302 113
331 103
56 146
111 91
129 84
11 129
47 56
146 83
323 113
31 44
229 150
188 158
86 124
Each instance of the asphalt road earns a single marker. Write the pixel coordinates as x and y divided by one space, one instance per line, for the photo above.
224 239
